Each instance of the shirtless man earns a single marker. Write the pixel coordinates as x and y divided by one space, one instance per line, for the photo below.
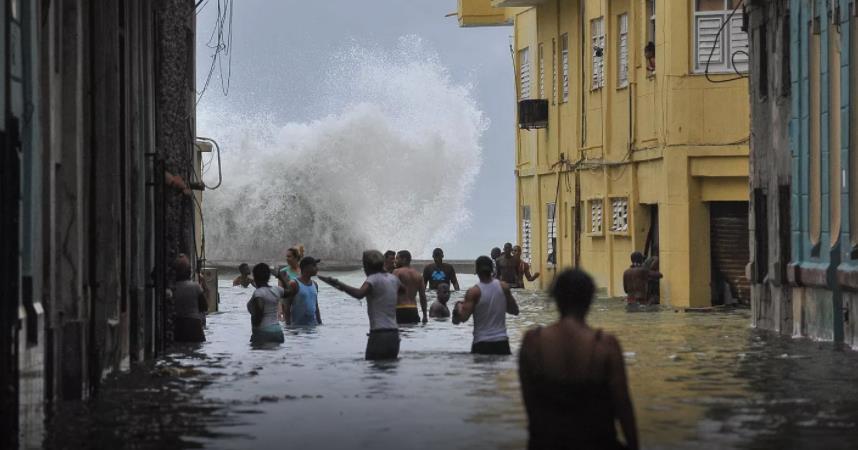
389 261
507 266
523 267
636 280
406 303
439 309
243 279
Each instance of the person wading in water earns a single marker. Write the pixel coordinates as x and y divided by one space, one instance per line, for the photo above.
523 267
507 266
636 281
439 271
381 290
263 307
302 296
389 261
439 309
243 279
573 377
489 301
406 304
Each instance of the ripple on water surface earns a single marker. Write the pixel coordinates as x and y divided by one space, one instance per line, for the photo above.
697 380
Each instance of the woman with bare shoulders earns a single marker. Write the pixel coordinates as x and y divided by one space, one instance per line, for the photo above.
573 377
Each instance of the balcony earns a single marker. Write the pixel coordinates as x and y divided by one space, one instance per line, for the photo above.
481 13
516 3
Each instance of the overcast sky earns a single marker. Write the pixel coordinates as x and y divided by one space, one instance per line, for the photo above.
281 49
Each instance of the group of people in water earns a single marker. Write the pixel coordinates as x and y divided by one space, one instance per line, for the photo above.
573 377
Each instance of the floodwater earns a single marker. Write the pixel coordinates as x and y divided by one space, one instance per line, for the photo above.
698 380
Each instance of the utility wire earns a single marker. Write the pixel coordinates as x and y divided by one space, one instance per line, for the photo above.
732 56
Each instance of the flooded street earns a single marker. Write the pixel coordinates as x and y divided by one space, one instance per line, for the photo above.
699 381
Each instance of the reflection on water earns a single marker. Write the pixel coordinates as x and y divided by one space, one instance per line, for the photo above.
698 381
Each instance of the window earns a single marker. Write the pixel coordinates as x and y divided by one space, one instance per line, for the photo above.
564 66
541 71
524 73
553 71
623 51
597 33
596 216
721 45
525 233
649 47
815 152
650 21
551 227
619 215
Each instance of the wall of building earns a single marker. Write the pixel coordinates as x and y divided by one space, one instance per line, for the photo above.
100 107
670 138
823 262
770 165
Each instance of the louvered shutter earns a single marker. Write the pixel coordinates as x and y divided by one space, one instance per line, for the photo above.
598 40
623 53
707 30
738 45
541 72
564 65
524 72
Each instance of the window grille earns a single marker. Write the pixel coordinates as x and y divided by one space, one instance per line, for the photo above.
623 51
525 233
553 71
541 71
564 65
619 215
524 72
597 32
595 216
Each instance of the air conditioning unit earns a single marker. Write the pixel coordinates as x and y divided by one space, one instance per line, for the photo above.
533 113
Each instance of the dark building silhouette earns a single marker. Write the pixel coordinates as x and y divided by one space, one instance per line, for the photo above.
98 102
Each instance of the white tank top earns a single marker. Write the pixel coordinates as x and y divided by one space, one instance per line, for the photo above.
490 313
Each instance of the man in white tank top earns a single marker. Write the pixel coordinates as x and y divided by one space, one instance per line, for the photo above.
381 290
489 302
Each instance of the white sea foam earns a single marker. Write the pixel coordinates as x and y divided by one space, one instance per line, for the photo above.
390 166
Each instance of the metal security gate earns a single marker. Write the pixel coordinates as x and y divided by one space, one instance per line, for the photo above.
728 240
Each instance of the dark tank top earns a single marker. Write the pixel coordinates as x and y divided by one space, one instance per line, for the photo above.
571 414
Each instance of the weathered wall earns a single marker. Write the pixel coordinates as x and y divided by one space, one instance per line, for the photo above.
770 88
91 225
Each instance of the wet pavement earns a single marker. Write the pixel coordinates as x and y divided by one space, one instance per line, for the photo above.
698 380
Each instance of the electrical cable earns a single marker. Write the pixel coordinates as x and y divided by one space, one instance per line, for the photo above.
219 170
712 50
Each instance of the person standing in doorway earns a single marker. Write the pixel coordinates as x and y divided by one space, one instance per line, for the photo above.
406 304
302 296
381 290
573 377
263 307
636 280
439 272
489 301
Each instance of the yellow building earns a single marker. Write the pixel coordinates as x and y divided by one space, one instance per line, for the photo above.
639 153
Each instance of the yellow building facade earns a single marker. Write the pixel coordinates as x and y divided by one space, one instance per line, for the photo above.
643 149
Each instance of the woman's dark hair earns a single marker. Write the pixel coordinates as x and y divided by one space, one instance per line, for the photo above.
295 252
573 291
261 274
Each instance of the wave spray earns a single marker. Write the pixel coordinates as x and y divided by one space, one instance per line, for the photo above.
391 167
